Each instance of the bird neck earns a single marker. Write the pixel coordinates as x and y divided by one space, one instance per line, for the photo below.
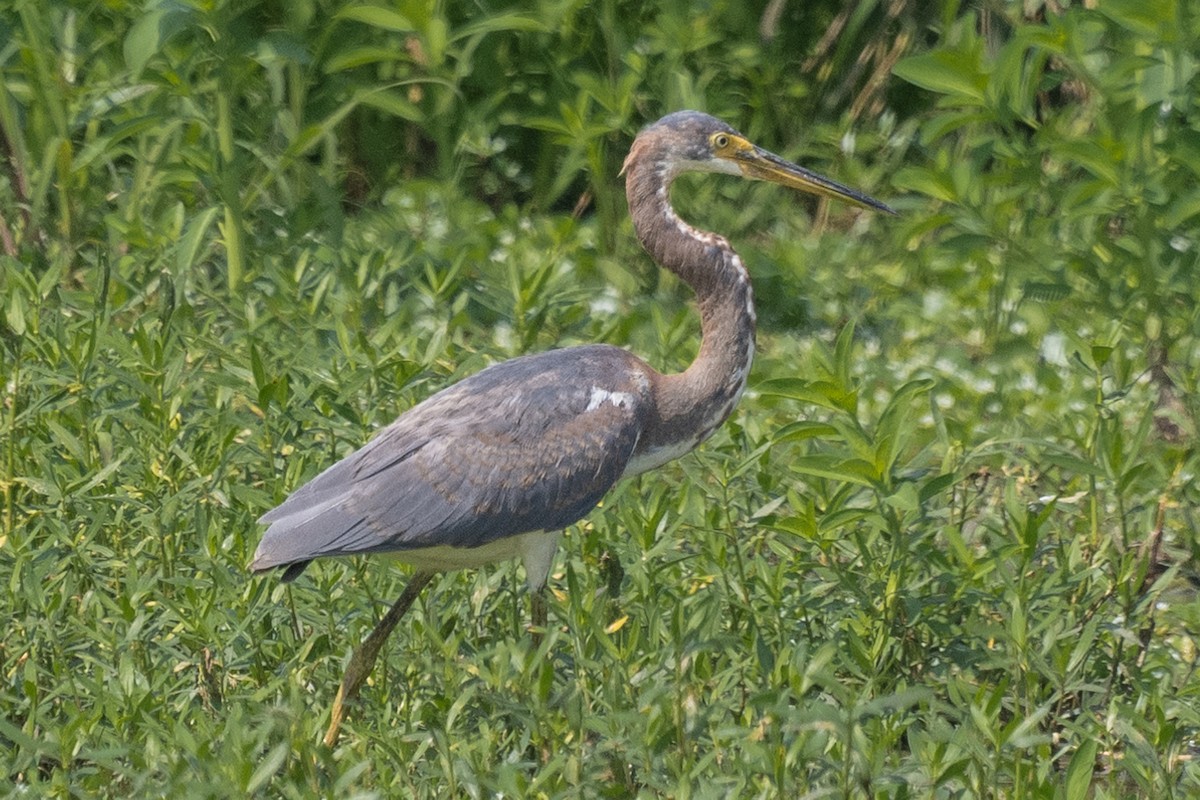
693 403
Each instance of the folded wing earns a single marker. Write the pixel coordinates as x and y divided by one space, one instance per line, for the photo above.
526 445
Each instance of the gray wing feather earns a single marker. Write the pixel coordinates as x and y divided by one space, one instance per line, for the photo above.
522 446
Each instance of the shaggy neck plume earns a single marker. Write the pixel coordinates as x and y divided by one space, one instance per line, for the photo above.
693 403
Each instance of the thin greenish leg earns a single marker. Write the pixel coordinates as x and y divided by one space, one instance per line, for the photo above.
538 614
365 655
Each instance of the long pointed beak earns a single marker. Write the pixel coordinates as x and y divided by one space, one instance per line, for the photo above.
763 165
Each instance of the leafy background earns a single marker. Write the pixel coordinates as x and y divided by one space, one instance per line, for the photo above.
945 548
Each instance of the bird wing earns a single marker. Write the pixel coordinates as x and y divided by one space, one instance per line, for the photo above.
526 445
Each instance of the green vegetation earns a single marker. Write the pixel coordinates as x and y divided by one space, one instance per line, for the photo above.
946 548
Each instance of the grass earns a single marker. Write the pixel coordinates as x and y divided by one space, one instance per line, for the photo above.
837 595
945 547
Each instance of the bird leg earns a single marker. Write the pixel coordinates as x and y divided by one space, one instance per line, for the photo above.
363 659
537 613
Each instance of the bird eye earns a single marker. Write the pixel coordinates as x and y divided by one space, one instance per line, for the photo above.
721 141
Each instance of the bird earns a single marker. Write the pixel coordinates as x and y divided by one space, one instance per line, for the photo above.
494 467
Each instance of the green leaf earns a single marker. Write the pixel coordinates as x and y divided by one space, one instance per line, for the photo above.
1182 208
939 126
359 56
142 40
891 432
1092 157
821 393
1144 19
928 182
935 486
955 73
1073 464
845 518
377 17
257 369
843 359
898 701
150 32
802 430
192 240
766 656
1101 354
392 102
312 135
436 36
99 477
15 314
269 766
905 498
850 470
501 22
46 488
804 526
1080 771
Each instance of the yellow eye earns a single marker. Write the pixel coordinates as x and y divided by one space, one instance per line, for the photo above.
720 141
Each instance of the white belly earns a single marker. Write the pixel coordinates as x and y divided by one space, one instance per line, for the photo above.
648 460
536 551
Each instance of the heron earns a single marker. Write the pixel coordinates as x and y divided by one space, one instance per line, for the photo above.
494 467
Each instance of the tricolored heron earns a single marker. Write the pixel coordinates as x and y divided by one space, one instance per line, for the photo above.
495 466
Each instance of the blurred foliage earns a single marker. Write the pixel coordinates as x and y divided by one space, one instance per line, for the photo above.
946 548
122 123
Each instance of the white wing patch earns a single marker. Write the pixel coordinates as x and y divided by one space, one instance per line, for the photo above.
601 396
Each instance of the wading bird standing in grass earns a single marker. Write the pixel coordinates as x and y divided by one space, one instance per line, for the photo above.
494 467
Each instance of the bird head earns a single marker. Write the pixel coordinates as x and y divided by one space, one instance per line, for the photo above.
689 141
